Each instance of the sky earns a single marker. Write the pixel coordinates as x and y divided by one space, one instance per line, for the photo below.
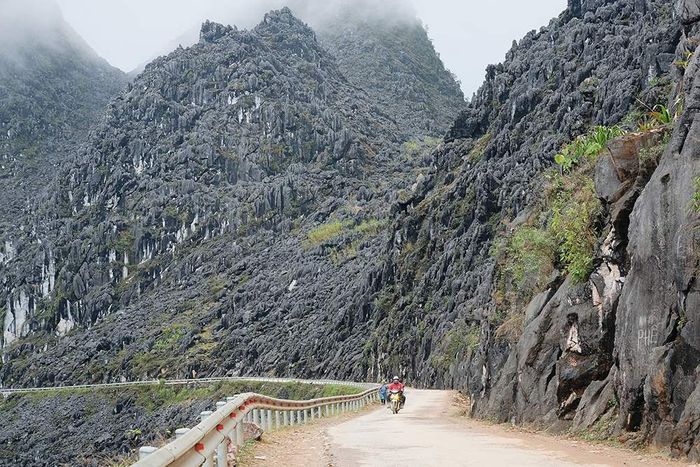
468 34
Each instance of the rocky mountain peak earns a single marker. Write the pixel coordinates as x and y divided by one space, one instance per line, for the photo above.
283 25
212 31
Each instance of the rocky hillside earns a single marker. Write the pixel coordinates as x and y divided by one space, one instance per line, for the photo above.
254 204
563 297
395 62
222 220
106 426
52 88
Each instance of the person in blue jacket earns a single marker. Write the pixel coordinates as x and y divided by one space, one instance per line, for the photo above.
382 394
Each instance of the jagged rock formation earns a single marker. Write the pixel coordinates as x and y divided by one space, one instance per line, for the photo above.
397 65
614 354
222 220
52 88
555 84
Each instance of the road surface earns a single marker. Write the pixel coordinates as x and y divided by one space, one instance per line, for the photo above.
428 433
424 434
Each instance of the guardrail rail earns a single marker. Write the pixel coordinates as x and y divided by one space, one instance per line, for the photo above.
207 444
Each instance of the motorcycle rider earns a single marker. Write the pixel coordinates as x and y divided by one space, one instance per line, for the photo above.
397 385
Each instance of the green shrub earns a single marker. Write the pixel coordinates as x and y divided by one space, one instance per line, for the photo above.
683 64
480 146
169 338
530 257
586 146
458 341
216 284
695 201
662 115
370 227
416 147
574 212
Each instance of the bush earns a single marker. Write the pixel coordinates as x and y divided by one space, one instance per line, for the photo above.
530 257
457 342
586 146
695 201
370 227
415 147
574 211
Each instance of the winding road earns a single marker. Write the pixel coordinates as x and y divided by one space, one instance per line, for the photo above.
428 433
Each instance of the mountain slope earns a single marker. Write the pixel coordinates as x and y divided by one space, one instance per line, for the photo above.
52 88
236 195
396 63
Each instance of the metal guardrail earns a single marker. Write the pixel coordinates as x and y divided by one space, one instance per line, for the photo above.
207 444
178 382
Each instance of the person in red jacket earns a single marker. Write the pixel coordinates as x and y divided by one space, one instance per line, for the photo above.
397 385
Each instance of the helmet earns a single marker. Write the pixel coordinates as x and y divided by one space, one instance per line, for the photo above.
395 378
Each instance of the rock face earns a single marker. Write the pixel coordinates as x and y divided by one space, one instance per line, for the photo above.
224 219
555 84
616 353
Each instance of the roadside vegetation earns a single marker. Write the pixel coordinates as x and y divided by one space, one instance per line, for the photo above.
560 234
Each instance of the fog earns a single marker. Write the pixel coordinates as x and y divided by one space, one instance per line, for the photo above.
468 34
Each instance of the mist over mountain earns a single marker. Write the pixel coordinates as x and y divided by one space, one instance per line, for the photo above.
53 87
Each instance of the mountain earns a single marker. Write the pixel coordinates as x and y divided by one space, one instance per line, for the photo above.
398 66
236 194
52 88
274 201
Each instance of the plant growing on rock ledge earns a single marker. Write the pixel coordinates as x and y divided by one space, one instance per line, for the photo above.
586 147
574 211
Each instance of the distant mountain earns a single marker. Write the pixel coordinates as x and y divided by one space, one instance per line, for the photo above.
53 88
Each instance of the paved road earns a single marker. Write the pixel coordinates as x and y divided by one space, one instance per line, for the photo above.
425 434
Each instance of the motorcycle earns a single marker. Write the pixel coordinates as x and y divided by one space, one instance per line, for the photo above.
395 399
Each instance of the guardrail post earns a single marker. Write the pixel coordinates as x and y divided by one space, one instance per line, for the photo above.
313 415
222 448
145 451
269 420
222 454
285 416
203 415
208 460
239 433
278 419
263 419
